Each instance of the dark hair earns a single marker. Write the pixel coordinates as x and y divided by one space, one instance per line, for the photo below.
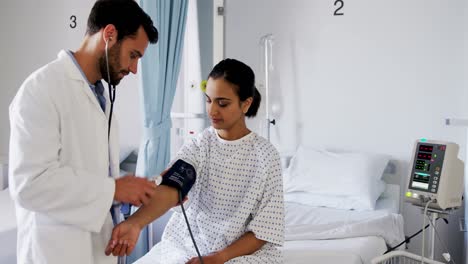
126 15
242 76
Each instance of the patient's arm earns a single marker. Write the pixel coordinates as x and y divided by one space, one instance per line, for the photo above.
245 245
125 235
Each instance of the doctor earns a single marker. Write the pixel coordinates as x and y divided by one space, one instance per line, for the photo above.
62 159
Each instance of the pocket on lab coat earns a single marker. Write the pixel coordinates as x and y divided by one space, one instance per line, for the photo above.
61 244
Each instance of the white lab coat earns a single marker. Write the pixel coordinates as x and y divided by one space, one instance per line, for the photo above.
59 168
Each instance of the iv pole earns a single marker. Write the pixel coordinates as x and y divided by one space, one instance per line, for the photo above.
267 43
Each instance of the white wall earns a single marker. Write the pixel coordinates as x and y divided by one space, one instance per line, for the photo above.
375 79
33 34
205 32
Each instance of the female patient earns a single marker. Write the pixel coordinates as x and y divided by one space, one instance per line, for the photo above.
235 209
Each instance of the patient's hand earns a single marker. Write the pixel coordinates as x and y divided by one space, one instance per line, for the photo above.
124 238
213 258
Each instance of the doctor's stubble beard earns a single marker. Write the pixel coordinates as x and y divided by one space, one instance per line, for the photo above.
114 63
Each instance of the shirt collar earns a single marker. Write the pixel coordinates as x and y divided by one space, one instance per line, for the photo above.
72 56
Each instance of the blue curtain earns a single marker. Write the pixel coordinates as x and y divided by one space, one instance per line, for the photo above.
160 71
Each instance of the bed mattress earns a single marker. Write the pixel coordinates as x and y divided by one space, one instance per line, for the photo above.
358 250
327 235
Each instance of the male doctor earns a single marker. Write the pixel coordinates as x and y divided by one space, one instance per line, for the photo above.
62 159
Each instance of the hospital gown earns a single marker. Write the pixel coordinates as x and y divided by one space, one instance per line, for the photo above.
238 189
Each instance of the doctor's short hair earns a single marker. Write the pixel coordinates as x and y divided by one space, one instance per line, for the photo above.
243 78
126 15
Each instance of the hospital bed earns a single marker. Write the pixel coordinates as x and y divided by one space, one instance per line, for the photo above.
314 233
330 224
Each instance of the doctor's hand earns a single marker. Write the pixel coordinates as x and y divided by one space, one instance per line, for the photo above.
134 190
124 238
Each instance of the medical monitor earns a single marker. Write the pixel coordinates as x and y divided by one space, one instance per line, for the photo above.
436 173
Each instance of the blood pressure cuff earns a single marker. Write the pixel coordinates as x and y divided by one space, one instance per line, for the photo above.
181 175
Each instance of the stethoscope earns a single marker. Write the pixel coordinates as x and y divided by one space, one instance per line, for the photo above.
111 89
126 211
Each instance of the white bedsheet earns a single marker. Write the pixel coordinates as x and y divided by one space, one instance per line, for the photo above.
311 223
333 236
7 229
390 199
357 250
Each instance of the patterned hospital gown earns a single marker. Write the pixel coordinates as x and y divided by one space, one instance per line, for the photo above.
238 189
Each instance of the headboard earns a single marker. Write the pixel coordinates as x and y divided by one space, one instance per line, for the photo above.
391 173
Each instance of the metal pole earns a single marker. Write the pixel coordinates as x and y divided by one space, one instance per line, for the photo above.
267 45
267 89
434 216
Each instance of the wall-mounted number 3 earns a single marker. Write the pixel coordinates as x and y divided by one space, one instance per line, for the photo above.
340 4
73 21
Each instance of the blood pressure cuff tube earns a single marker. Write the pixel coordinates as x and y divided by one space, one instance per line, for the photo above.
181 175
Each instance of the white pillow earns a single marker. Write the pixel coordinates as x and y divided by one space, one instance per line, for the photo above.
352 176
353 202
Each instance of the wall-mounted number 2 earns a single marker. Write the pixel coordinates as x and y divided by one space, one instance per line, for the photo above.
73 21
340 5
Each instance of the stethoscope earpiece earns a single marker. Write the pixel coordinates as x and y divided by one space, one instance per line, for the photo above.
107 41
111 88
